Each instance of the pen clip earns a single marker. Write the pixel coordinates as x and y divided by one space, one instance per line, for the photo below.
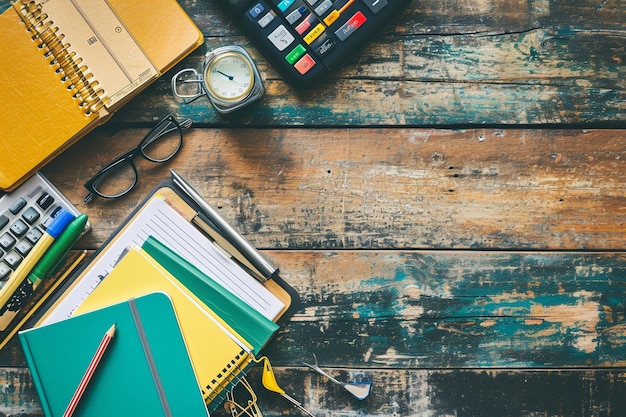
236 244
220 241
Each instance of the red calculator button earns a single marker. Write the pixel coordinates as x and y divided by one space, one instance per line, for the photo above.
350 26
304 64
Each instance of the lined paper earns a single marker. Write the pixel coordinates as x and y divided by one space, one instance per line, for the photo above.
160 220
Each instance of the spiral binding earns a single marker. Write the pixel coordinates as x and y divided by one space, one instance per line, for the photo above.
79 81
217 390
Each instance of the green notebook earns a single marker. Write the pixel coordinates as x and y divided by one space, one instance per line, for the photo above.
145 371
254 327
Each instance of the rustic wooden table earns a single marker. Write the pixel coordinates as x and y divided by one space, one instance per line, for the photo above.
450 208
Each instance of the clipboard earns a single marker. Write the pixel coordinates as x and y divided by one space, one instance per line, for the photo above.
75 289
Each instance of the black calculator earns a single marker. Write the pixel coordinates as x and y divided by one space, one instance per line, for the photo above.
305 40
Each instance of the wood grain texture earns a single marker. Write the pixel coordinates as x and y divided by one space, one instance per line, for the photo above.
448 310
460 393
18 396
383 188
449 206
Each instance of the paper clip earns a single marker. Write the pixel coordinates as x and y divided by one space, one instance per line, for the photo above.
359 390
251 409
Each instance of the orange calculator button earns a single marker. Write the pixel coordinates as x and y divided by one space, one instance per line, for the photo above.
332 16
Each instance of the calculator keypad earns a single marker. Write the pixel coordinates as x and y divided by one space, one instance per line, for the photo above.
306 39
24 216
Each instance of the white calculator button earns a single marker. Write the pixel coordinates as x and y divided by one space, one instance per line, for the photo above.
267 19
323 8
296 15
281 38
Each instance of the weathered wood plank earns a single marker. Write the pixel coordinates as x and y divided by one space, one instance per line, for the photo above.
383 188
540 77
441 63
497 393
472 393
18 396
447 309
455 309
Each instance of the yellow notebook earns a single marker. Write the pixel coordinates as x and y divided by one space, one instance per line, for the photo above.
217 352
67 65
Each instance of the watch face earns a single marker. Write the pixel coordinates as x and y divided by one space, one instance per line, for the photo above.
229 76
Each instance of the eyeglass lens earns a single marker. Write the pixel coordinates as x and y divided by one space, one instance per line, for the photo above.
117 180
162 142
159 145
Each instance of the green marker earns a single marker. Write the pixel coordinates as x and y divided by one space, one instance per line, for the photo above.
45 266
55 254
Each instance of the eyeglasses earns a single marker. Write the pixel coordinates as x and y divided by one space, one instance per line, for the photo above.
120 176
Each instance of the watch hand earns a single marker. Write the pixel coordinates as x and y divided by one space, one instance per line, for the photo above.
230 77
236 81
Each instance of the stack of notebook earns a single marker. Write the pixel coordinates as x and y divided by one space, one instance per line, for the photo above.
189 318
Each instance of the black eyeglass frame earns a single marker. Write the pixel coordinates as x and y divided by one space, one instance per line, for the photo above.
129 157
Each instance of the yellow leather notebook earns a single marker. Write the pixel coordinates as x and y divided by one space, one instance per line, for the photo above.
67 65
217 352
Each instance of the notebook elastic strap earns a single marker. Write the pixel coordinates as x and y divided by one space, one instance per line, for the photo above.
148 352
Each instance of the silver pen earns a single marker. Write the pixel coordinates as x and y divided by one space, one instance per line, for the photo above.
242 250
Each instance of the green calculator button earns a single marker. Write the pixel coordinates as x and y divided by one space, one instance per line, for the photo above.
297 52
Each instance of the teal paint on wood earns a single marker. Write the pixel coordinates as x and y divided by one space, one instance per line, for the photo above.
18 391
467 393
456 309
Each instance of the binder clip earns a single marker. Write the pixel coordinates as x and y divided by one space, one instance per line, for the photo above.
269 382
359 390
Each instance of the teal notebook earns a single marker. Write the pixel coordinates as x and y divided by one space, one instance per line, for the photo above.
145 371
254 327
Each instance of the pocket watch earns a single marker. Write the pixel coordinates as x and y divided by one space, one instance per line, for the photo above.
229 79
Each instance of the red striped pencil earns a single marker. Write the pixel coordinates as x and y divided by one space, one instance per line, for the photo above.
89 372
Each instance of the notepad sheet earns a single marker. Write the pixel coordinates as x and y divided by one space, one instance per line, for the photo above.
160 220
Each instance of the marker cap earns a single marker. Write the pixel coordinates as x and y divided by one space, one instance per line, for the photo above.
60 222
